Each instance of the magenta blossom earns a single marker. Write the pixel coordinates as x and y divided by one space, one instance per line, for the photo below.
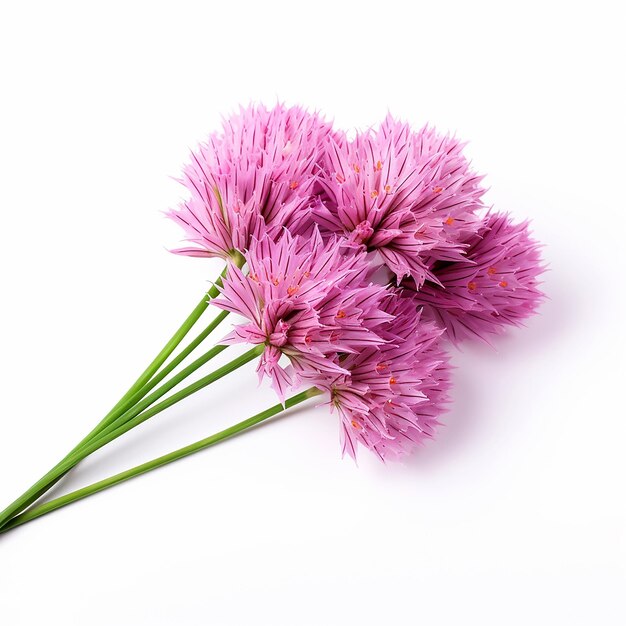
410 196
496 285
392 394
305 300
258 174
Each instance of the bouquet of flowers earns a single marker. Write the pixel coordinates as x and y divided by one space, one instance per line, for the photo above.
351 265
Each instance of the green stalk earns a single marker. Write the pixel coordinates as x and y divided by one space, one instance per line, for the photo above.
121 408
175 362
101 485
102 439
167 350
140 406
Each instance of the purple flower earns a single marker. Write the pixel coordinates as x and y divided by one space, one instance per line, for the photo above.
392 394
496 285
410 196
306 301
257 175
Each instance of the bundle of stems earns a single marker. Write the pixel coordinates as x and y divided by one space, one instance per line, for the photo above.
141 402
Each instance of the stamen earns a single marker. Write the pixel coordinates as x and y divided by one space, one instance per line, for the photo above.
379 166
340 178
472 285
491 271
392 381
374 194
293 184
449 221
387 188
341 314
355 425
293 289
503 283
438 189
356 168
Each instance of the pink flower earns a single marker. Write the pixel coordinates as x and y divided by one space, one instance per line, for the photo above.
496 285
258 174
392 394
410 196
306 301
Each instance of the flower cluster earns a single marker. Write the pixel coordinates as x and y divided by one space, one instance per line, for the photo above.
259 174
362 256
495 285
393 393
305 300
410 196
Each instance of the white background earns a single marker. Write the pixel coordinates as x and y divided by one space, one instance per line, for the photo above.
515 515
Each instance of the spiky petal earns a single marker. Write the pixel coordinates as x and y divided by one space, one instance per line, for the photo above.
306 300
495 286
392 395
257 175
409 195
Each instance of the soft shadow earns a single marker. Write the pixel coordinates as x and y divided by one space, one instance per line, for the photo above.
556 322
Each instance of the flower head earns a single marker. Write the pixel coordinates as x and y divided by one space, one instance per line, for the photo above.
305 300
257 175
392 394
410 196
496 285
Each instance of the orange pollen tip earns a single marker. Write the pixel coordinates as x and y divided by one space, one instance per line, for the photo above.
307 274
308 340
491 271
341 314
355 424
254 277
381 367
356 168
379 166
292 290
293 184
275 282
449 221
438 189
392 381
472 285
374 194
387 188
503 283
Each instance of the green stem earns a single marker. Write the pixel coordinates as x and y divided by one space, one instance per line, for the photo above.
95 444
143 404
156 364
121 408
175 362
79 494
138 390
71 460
